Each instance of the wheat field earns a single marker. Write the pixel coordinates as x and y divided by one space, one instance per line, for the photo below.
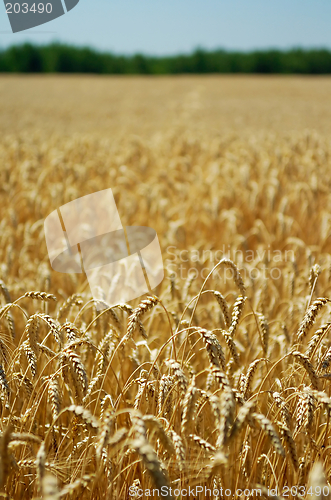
217 384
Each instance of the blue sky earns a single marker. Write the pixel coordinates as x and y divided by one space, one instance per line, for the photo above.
172 26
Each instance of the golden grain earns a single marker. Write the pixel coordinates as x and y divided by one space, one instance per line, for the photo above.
203 382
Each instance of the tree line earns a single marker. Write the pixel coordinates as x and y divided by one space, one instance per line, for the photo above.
60 58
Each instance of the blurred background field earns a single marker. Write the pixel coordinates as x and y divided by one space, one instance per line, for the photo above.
111 106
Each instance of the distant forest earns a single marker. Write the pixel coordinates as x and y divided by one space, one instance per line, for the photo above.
59 58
